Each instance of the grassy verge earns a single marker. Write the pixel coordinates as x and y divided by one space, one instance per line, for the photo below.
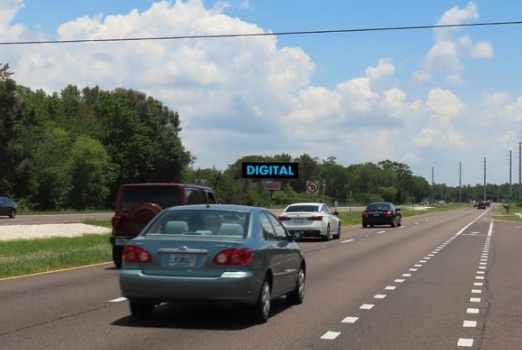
21 257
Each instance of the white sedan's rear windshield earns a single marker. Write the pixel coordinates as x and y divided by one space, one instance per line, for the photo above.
301 208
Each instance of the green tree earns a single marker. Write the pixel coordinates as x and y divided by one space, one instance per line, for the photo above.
91 174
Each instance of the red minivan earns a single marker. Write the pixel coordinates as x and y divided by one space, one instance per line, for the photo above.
138 203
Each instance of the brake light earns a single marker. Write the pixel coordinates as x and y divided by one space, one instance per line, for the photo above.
388 213
366 212
116 221
315 218
136 255
283 218
234 256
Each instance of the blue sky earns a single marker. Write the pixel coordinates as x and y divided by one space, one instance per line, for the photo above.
432 99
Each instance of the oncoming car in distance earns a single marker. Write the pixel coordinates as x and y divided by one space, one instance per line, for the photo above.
224 254
313 219
381 213
7 207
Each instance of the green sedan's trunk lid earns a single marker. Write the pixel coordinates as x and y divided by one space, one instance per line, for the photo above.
185 257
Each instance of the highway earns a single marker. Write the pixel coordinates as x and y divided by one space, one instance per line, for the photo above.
447 280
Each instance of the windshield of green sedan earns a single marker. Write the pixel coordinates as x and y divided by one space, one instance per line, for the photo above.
200 223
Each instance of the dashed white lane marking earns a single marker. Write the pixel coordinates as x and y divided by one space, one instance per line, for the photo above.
350 319
464 342
330 335
476 291
475 300
399 280
479 277
348 241
379 296
390 287
472 310
367 306
406 275
469 324
117 300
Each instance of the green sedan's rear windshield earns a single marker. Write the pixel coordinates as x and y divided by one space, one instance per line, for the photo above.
201 223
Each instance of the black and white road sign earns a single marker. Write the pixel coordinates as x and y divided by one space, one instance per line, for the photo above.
312 186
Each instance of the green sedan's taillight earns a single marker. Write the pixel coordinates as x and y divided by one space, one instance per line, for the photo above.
234 256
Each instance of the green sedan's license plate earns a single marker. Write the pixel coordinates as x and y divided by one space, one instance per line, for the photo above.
182 260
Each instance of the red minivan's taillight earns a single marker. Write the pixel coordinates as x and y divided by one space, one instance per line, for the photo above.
115 221
136 254
234 256
315 218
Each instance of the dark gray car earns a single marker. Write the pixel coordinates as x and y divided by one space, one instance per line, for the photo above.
7 207
381 213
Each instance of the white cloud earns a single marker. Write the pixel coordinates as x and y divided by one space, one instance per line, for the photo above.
444 105
448 52
457 15
422 77
383 70
481 50
454 79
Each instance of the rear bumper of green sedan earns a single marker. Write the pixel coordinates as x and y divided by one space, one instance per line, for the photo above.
230 287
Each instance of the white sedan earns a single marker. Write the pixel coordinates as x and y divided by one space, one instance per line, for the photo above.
313 219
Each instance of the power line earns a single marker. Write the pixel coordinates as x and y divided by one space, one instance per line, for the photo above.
216 36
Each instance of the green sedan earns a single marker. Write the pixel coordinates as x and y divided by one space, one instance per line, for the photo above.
218 253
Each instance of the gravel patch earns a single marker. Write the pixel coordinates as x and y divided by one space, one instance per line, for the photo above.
12 232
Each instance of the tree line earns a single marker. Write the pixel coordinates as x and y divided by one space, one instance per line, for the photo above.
72 149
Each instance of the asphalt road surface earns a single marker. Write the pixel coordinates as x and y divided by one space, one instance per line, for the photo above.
441 281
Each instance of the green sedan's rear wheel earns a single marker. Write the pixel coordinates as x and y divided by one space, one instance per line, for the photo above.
141 309
261 310
297 295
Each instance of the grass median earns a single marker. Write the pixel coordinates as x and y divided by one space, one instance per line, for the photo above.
29 256
22 257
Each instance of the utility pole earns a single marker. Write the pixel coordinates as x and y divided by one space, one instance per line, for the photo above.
510 174
460 182
519 171
484 179
432 184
